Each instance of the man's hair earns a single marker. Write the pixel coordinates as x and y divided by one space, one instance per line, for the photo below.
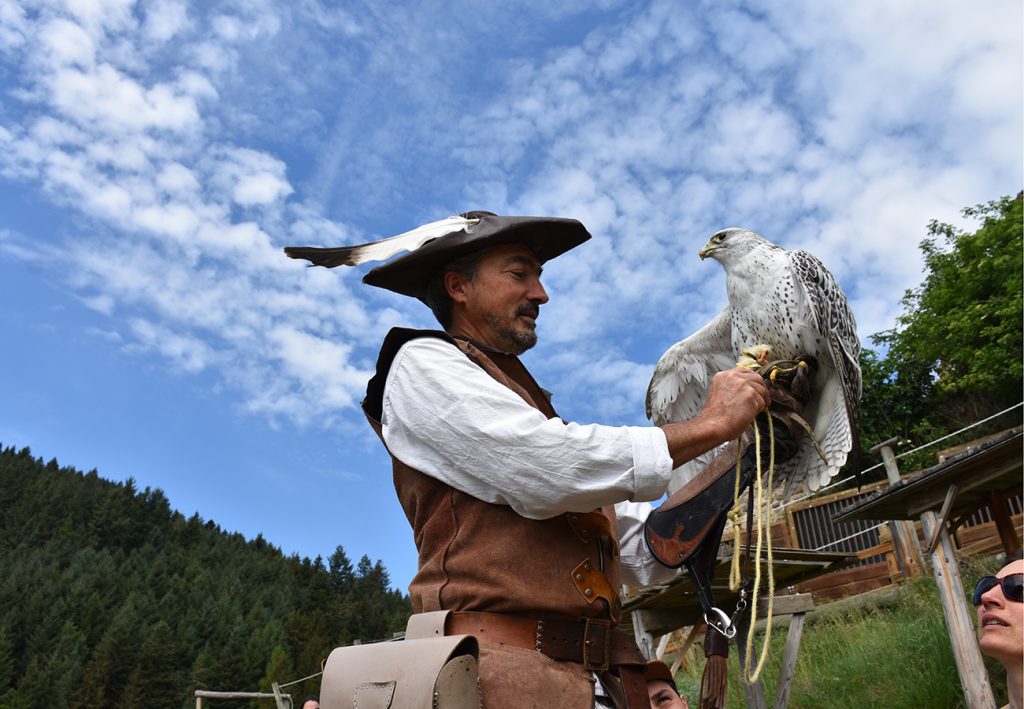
437 297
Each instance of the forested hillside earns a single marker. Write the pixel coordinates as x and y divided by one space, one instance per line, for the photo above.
108 598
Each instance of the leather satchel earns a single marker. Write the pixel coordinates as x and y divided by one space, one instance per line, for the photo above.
427 670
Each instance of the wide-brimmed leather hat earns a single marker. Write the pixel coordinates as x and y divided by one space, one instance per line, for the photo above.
433 246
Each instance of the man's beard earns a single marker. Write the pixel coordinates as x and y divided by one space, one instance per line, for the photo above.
515 341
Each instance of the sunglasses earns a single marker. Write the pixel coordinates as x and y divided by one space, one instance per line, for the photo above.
1012 584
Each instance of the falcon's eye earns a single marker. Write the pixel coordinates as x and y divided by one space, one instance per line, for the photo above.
718 238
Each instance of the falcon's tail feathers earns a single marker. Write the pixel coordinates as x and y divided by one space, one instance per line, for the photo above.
854 461
379 250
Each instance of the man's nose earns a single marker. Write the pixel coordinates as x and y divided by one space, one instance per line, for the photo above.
537 294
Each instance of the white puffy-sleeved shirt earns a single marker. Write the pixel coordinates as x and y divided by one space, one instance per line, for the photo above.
446 417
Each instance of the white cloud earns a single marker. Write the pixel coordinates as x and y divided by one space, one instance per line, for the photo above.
186 352
164 19
13 25
17 246
67 43
177 180
101 15
194 143
116 102
260 188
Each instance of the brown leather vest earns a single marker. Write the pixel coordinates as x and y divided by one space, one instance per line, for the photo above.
478 556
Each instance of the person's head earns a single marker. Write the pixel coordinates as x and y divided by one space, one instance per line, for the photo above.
499 301
661 688
311 702
436 296
1001 613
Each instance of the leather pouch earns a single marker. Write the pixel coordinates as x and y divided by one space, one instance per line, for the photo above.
427 670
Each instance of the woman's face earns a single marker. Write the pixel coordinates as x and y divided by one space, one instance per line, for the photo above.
1001 621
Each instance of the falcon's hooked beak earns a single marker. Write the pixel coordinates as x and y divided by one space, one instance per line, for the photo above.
716 242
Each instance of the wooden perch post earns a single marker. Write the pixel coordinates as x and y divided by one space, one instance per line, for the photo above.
969 664
904 538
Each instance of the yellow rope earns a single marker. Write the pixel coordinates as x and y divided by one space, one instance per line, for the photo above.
763 511
735 515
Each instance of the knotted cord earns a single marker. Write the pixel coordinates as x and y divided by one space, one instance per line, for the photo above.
764 533
735 516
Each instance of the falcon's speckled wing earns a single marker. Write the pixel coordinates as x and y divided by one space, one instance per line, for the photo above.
681 380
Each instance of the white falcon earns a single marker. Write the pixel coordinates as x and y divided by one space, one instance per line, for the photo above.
789 301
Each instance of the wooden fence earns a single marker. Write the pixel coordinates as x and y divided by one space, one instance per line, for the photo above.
809 525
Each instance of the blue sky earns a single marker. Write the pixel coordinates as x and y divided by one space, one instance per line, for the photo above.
156 156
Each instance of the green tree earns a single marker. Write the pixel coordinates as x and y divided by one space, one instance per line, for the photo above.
6 662
340 568
279 669
955 355
107 672
155 680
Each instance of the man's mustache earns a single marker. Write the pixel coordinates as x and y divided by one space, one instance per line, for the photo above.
530 310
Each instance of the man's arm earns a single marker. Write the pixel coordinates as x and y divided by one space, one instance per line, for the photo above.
443 415
446 417
638 565
736 396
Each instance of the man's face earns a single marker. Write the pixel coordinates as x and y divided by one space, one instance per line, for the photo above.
662 696
500 304
311 704
1001 621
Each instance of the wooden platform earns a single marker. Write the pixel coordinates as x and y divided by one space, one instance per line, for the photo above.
674 605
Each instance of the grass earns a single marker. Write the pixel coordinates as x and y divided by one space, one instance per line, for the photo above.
897 656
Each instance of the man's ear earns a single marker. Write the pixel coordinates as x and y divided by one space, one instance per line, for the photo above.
455 284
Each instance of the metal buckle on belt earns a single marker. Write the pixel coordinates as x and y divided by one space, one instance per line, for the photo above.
597 636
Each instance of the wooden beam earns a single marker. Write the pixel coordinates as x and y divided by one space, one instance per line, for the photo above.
786 605
658 621
947 507
969 664
643 635
1004 523
930 499
687 644
199 693
755 691
788 668
905 546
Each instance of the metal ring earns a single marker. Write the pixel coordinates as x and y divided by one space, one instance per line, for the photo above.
724 624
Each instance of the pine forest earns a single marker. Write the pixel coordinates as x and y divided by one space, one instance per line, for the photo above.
108 598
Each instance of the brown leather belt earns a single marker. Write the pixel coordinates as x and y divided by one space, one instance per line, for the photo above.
592 642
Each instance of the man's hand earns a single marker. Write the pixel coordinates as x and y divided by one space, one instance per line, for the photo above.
736 396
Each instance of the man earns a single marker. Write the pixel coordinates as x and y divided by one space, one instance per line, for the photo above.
311 702
525 525
661 687
1001 623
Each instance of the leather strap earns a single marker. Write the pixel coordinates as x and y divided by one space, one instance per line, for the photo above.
593 642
